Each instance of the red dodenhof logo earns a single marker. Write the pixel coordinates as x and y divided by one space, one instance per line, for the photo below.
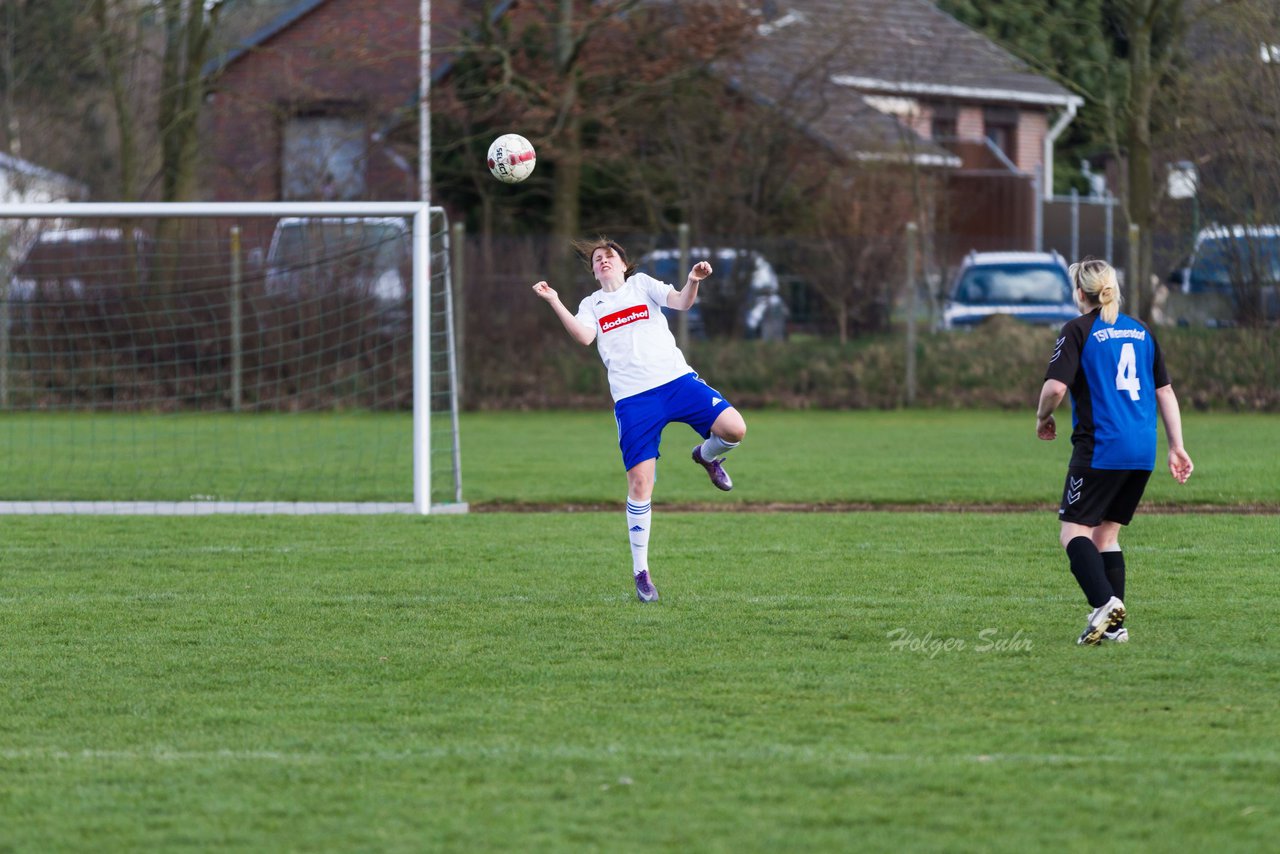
621 318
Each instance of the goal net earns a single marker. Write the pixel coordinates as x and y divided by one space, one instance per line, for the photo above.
227 358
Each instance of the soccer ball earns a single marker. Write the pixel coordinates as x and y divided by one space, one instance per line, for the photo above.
511 158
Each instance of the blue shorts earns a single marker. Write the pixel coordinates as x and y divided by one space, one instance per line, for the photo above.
642 416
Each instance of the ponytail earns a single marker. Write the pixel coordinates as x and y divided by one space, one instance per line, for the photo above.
1097 279
1109 299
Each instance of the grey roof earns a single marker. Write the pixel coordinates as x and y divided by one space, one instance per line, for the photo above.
283 21
911 48
17 165
27 169
298 10
836 116
815 60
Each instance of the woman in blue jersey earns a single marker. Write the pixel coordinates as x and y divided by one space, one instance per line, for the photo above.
649 379
1116 374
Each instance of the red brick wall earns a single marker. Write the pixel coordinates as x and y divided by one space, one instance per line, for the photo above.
353 56
969 122
1032 128
1028 142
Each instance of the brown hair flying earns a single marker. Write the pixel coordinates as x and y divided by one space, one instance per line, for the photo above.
587 248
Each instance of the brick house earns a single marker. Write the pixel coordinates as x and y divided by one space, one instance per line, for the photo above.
301 110
306 107
901 80
933 75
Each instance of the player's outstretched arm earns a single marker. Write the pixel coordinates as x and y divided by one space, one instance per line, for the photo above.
1180 465
578 332
683 299
1051 394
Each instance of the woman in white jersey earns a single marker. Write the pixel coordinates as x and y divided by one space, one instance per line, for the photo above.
649 379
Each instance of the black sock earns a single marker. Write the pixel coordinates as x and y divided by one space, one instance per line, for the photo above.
1090 573
1113 563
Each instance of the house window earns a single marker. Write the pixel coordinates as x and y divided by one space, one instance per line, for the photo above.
1001 127
942 122
323 159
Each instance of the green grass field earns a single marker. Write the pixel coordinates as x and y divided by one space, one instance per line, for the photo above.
809 681
918 457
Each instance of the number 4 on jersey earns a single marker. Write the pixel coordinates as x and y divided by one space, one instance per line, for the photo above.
1127 371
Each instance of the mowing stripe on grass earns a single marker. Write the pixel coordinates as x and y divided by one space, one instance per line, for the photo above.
555 753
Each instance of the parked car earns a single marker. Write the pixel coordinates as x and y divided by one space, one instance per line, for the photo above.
1030 286
1229 263
737 272
80 262
367 256
76 266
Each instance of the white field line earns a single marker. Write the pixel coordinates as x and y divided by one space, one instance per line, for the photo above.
463 598
1241 549
207 508
769 753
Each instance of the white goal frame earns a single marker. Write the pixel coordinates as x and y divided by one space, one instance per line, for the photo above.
421 326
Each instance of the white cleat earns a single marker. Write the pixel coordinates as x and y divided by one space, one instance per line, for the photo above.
1120 635
1101 620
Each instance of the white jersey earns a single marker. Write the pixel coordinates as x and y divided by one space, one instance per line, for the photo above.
635 343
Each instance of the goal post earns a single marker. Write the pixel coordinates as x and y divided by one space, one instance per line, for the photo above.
200 357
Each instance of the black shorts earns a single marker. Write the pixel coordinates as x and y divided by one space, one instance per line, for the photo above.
1091 496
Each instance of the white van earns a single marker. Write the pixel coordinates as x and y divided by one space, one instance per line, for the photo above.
365 256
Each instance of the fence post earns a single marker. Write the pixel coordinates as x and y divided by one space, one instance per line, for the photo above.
458 253
682 317
1037 213
1111 214
1075 225
4 319
909 389
237 340
1133 275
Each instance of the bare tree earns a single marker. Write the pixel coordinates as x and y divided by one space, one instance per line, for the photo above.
742 167
1230 124
136 61
49 86
117 50
856 261
785 150
188 28
572 70
1150 58
1132 61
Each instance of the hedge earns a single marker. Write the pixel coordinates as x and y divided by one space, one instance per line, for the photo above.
1000 364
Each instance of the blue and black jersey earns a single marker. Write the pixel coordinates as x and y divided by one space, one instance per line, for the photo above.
1113 372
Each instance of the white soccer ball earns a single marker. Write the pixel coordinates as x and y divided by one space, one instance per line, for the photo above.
511 158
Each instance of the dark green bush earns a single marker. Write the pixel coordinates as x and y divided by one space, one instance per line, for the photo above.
998 365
